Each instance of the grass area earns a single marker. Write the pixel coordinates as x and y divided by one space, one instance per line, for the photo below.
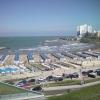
92 80
6 89
87 93
70 82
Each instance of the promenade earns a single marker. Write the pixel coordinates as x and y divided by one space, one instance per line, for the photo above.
64 89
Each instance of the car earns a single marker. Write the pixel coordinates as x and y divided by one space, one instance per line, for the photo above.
22 83
48 69
41 80
75 75
58 78
84 73
37 88
50 78
97 69
89 71
31 80
92 75
98 72
65 75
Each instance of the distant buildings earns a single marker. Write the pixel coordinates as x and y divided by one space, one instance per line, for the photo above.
98 34
83 29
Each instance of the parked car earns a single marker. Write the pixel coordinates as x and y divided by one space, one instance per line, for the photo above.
89 71
31 80
21 83
97 69
58 78
84 73
38 81
98 72
50 78
65 75
48 69
92 75
37 88
75 75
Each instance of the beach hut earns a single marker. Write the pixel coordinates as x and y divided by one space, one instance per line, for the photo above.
59 56
45 58
92 54
70 55
16 58
3 57
30 57
85 56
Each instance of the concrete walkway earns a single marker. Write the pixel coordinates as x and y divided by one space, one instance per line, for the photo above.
70 86
27 98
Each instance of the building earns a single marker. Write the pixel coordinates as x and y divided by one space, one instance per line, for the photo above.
83 29
98 34
90 29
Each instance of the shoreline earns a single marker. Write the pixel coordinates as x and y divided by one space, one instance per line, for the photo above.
23 60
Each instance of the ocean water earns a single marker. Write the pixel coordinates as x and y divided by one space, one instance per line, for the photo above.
14 43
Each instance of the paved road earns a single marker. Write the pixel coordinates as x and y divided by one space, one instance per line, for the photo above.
24 98
70 87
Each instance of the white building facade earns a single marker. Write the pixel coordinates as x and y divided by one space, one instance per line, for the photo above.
83 29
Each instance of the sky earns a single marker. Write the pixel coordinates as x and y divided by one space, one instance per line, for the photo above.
47 17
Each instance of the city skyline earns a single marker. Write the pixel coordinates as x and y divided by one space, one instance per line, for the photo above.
47 17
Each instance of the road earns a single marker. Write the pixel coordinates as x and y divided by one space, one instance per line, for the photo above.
70 87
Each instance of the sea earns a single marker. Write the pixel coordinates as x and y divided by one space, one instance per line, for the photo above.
15 43
42 43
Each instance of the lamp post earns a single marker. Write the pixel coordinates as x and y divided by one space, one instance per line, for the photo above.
82 79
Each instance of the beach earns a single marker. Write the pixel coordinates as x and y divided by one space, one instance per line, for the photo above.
29 62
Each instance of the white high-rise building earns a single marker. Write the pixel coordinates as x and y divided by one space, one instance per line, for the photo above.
83 29
90 30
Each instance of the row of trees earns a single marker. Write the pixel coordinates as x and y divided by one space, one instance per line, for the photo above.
88 38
